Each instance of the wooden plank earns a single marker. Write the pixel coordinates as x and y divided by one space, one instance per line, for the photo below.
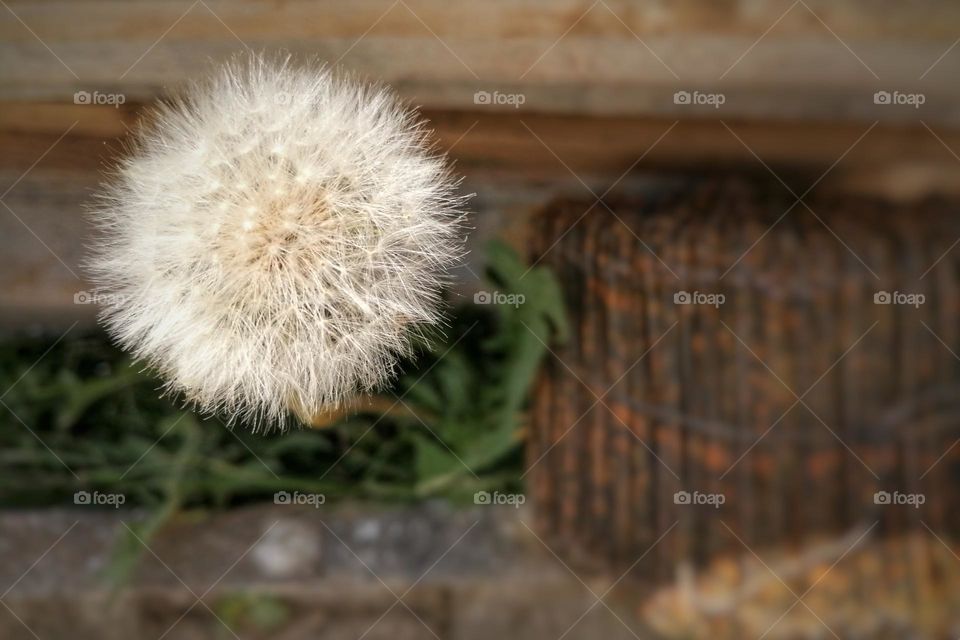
50 178
616 58
537 146
145 19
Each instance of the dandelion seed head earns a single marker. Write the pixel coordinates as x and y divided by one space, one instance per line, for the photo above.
275 239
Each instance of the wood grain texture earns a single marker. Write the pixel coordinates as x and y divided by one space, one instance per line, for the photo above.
597 81
55 153
812 60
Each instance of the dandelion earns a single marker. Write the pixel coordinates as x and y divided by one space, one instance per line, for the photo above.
275 240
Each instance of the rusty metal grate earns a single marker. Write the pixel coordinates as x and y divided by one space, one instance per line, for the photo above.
704 397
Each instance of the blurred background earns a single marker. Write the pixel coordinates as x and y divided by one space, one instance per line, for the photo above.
702 364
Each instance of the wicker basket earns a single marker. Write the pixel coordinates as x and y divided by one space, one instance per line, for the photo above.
652 397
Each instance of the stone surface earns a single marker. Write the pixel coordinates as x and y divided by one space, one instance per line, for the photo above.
291 573
431 571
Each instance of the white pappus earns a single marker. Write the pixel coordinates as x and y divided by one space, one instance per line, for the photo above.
274 239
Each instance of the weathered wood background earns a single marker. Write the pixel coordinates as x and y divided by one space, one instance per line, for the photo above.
597 81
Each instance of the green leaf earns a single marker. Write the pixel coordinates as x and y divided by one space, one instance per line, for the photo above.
432 459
